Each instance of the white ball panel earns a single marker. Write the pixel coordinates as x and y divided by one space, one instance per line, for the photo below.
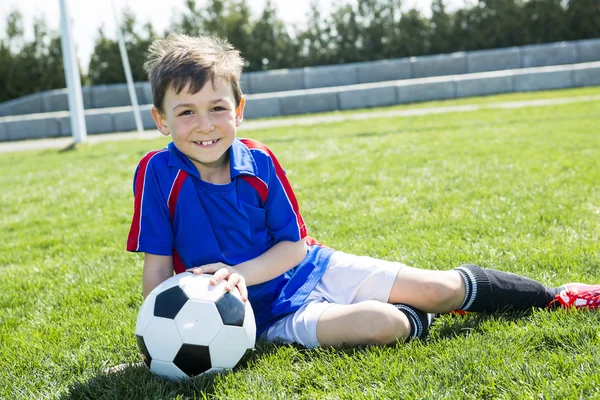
162 339
145 315
198 287
198 322
167 370
249 326
169 283
228 347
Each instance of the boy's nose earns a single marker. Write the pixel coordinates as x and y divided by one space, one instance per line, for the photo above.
204 124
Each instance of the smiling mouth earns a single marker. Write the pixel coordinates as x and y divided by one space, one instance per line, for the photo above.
207 143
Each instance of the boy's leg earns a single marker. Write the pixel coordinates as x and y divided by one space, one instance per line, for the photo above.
428 290
320 323
367 322
469 288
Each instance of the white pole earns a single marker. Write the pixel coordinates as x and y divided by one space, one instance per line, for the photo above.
72 77
132 93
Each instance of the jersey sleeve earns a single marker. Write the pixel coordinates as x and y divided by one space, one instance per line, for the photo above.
283 214
151 227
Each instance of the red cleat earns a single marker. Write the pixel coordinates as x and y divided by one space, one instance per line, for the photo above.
579 295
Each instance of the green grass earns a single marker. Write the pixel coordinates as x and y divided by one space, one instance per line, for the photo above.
515 190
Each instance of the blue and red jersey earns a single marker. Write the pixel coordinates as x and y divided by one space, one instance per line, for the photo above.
178 214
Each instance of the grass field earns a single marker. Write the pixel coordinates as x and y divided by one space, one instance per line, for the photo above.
516 190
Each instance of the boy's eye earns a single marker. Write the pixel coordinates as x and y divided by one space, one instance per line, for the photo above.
186 112
218 108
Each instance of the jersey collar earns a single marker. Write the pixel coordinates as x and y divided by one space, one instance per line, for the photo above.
241 161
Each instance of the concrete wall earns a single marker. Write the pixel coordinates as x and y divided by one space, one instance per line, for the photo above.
349 97
337 75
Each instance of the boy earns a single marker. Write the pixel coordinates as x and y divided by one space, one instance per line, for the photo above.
219 205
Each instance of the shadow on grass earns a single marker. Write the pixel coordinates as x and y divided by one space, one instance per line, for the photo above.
135 381
449 327
72 146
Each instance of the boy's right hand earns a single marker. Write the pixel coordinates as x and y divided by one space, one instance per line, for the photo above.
222 271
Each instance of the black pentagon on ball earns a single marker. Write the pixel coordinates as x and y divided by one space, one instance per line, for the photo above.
144 350
169 302
231 309
193 359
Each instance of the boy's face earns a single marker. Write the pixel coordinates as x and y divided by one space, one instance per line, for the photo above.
202 125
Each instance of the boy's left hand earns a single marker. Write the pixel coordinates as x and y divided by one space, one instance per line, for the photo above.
222 271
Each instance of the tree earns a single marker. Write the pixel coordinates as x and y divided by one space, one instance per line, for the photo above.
583 19
412 38
29 67
270 45
440 29
106 65
545 21
316 42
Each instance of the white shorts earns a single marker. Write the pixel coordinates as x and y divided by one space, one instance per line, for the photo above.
348 279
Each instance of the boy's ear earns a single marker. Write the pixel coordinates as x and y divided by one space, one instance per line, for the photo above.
239 112
160 121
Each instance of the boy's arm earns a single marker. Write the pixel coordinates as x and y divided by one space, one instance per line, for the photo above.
272 263
157 269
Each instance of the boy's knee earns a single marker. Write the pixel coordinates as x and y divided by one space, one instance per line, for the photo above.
387 325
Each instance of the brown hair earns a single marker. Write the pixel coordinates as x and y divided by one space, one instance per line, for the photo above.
180 60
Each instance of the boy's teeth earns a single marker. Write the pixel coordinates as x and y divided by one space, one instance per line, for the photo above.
207 143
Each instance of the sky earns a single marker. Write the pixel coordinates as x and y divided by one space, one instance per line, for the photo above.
89 15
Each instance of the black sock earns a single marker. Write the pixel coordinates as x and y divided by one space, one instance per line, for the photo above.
493 290
419 321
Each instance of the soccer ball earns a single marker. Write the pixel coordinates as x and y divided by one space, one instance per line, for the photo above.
187 327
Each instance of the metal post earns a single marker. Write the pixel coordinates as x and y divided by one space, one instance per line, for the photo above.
125 59
78 127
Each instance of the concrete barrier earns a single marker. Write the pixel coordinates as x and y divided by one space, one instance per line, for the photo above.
544 78
3 132
104 96
144 92
440 65
309 101
123 119
384 70
329 76
34 127
30 104
484 83
587 76
326 99
336 75
55 100
493 60
261 106
98 122
541 55
416 90
588 50
367 95
276 80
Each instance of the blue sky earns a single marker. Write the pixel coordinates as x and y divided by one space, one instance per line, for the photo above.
89 15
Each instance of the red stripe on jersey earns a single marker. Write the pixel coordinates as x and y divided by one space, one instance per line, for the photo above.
252 144
178 265
134 231
311 241
259 185
174 193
